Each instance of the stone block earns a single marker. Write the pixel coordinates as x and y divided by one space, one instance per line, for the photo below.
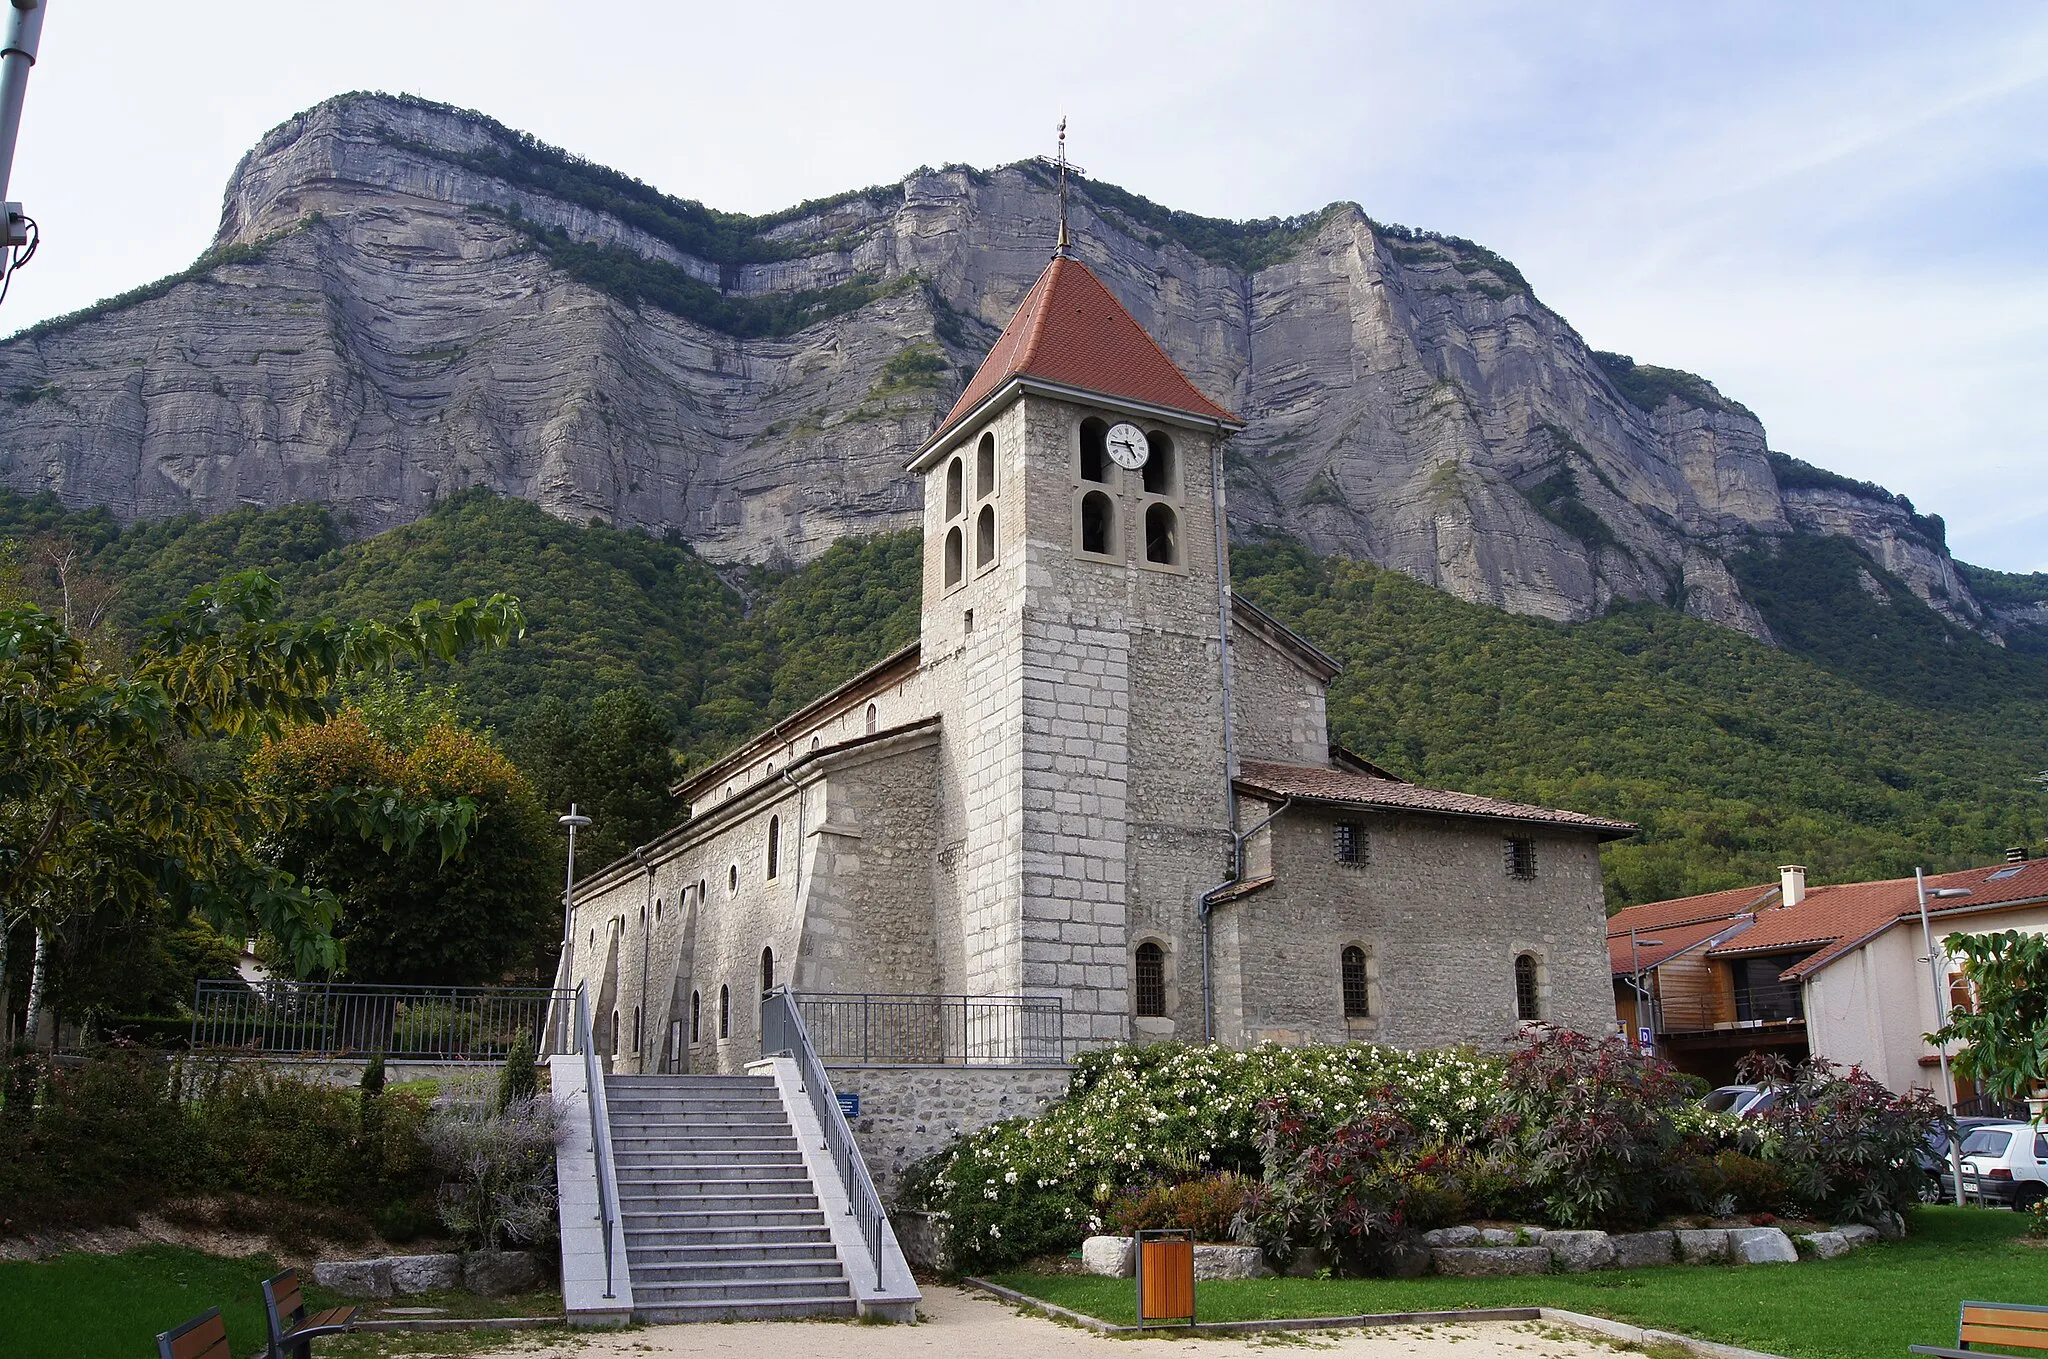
1577 1252
1451 1236
1857 1234
1405 1260
1307 1262
355 1278
1511 1236
1109 1256
1827 1245
1230 1262
1761 1246
1706 1246
494 1273
1891 1227
1635 1250
425 1273
1490 1261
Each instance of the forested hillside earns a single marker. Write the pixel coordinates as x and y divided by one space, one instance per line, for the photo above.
1879 736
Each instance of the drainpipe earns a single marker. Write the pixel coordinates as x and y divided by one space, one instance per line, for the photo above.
1208 901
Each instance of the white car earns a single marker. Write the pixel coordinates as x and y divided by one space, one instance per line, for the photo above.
1739 1100
2003 1163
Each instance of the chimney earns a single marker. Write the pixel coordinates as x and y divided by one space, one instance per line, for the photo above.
1792 879
2016 855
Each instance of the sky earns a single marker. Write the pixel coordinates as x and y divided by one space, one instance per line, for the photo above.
1831 210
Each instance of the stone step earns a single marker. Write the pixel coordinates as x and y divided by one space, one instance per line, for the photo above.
625 1101
693 1084
797 1234
679 1283
737 1260
663 1312
782 1175
670 1216
640 1144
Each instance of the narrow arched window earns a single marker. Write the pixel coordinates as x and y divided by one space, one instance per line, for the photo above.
696 1016
955 491
732 880
774 846
725 1012
1148 980
985 468
1357 999
615 1033
1098 523
873 718
767 970
1162 477
1162 535
1094 450
1528 993
636 1028
985 536
956 553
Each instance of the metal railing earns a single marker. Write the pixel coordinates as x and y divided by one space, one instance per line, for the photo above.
600 1132
335 1019
783 1034
1985 1106
871 1030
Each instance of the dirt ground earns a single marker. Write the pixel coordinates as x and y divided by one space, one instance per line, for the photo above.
962 1324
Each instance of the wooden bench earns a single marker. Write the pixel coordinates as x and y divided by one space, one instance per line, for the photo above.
203 1337
291 1330
2009 1325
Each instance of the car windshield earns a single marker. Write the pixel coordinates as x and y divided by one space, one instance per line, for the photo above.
1987 1142
1721 1101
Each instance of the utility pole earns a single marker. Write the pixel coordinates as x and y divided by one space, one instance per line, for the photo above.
1948 1085
24 35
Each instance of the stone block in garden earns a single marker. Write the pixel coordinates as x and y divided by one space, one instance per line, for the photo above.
1405 1260
1306 1262
355 1278
1230 1262
1510 1236
1891 1227
494 1273
1109 1256
424 1273
1488 1261
1635 1250
1705 1246
1827 1245
1761 1246
1577 1252
1857 1233
1451 1236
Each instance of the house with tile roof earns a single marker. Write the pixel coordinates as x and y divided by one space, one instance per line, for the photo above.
1839 971
1096 801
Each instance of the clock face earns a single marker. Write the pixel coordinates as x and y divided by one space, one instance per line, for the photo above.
1127 446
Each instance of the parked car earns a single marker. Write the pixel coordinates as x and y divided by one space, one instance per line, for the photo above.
1739 1100
1935 1160
2004 1164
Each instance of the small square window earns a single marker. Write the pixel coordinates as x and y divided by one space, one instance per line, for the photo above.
1521 858
1347 840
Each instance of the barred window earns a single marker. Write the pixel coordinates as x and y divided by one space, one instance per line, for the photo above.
696 1016
767 970
1357 1000
1348 842
1148 980
725 1012
1528 996
774 846
1521 858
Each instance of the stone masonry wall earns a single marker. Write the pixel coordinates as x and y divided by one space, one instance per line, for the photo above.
909 1112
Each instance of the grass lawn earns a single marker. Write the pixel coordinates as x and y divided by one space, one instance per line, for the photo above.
81 1306
1871 1303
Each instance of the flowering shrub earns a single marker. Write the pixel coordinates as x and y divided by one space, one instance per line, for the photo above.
1848 1147
1207 1207
497 1158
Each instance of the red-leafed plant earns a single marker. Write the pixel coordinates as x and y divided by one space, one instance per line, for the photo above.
1848 1147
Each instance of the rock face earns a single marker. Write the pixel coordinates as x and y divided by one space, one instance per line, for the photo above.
405 299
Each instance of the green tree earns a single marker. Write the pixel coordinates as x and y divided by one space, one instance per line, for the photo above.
105 799
2005 1034
612 760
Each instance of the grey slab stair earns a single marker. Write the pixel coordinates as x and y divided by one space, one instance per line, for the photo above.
720 1217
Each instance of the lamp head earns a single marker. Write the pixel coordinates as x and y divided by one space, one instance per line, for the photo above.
1940 893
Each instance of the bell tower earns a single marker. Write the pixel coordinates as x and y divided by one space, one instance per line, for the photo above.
1072 635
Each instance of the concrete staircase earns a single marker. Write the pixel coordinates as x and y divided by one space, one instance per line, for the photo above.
722 1222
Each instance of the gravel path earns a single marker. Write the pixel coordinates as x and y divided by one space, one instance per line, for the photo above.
962 1324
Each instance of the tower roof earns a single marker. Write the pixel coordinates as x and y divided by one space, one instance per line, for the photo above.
1071 331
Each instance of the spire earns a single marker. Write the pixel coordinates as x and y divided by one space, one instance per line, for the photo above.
1060 250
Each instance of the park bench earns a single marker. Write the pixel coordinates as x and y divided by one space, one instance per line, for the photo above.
2008 1325
203 1337
291 1330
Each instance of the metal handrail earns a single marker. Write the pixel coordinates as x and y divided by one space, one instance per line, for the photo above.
600 1131
866 1029
336 1019
783 1034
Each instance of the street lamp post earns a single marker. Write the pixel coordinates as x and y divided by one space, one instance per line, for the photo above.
1635 968
573 822
1948 1087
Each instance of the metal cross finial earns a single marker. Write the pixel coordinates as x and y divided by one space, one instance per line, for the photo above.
1061 165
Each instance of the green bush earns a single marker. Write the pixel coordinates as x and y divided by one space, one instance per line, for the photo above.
1735 1182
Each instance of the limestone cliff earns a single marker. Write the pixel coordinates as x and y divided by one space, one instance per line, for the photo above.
404 299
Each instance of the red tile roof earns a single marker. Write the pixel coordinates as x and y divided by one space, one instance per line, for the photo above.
1315 784
1071 330
1663 915
1653 948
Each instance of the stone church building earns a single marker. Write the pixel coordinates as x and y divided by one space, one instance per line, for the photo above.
1097 799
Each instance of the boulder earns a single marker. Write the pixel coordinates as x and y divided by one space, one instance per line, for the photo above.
1634 1250
1451 1236
1510 1236
1705 1246
1577 1252
1109 1256
1827 1245
355 1278
1857 1234
494 1273
1485 1261
425 1273
1230 1262
1760 1246
1891 1227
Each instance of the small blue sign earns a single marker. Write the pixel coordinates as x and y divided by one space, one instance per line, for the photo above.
849 1105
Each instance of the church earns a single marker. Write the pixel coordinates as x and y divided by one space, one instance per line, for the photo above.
1096 801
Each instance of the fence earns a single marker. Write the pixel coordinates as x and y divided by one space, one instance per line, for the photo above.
333 1019
887 1030
783 1033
